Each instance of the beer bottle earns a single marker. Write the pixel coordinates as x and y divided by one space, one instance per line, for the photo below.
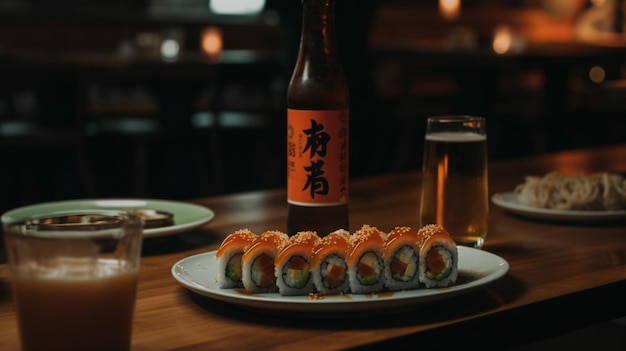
317 128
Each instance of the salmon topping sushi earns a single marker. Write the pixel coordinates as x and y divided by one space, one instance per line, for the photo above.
229 257
329 263
364 259
258 261
239 239
401 252
438 254
293 262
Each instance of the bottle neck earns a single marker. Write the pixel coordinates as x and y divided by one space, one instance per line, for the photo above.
318 29
318 81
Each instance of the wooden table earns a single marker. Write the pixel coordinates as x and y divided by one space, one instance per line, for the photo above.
563 276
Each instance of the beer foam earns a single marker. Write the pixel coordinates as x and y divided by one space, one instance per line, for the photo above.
456 137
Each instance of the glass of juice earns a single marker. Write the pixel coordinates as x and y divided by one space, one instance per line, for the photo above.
74 278
454 178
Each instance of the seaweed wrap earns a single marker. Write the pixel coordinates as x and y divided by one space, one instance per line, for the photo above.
258 262
401 254
328 264
365 260
229 258
293 264
438 257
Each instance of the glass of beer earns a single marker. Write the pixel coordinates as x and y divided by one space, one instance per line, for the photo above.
454 178
74 278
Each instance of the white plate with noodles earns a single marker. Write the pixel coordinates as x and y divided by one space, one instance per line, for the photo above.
477 269
508 201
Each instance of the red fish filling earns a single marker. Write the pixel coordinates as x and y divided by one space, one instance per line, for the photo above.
403 265
263 271
334 271
368 269
438 263
297 272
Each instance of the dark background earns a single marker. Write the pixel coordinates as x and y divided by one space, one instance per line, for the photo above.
89 124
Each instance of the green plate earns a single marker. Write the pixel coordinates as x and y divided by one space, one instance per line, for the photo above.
186 216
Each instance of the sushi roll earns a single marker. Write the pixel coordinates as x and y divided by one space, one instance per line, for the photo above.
293 264
401 254
438 257
257 262
365 260
229 258
328 264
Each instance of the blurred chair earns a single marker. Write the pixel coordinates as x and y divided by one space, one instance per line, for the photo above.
42 146
200 134
145 144
248 105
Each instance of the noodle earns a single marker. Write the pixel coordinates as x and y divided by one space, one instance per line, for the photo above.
592 192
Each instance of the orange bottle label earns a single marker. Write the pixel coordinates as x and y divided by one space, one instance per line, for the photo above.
317 157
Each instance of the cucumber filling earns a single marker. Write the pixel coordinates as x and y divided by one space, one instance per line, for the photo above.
440 276
233 268
297 272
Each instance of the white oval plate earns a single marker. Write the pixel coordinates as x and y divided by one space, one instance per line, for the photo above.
506 200
187 216
476 269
